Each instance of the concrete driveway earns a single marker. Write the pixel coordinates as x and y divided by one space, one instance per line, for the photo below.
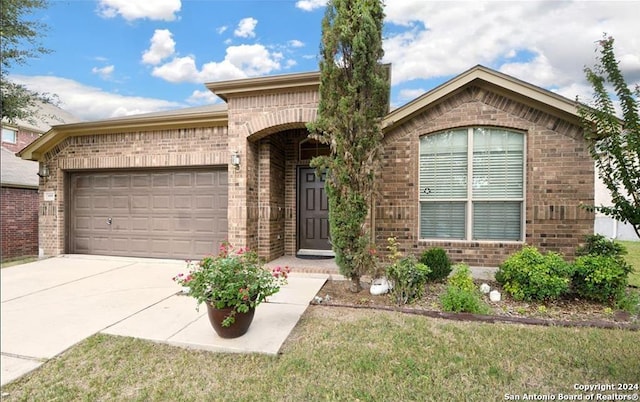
50 305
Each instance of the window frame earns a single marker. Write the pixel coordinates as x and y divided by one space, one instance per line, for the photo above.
15 135
469 199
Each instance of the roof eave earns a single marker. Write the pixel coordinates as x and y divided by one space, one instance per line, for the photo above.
226 89
59 133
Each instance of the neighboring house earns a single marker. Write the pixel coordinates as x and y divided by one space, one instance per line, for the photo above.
479 166
19 183
605 225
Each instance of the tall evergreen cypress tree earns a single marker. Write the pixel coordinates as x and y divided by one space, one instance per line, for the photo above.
354 90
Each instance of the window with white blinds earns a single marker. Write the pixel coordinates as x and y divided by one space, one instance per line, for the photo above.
486 207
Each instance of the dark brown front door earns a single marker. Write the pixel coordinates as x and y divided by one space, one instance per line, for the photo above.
313 210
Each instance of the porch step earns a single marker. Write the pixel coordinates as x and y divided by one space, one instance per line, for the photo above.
308 266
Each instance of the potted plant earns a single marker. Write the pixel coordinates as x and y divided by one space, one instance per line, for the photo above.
231 285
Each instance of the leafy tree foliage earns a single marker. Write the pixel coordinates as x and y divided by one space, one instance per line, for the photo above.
614 143
20 42
354 92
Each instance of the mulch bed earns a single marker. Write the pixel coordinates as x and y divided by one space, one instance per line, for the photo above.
566 312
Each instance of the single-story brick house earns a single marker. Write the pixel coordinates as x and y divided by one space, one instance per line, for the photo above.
479 166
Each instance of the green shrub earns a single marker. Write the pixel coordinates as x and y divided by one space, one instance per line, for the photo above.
462 278
461 294
439 263
529 275
600 278
597 244
456 300
409 278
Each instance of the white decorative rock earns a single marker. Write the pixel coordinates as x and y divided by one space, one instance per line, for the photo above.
379 286
484 288
494 296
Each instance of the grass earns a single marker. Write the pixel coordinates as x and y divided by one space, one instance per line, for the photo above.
345 354
633 258
19 261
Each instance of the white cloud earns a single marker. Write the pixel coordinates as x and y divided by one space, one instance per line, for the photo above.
203 98
296 43
162 10
290 63
104 72
410 94
91 103
222 29
246 28
239 62
539 71
544 43
310 5
162 46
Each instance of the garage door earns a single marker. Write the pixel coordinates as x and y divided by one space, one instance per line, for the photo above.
151 213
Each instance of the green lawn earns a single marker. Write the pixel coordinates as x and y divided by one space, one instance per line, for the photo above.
345 355
633 258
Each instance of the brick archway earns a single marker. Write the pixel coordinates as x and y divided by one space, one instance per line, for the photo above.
259 127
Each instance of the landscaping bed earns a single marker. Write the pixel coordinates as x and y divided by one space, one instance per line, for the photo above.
565 309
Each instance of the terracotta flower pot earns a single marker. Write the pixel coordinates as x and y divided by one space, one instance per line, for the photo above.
239 327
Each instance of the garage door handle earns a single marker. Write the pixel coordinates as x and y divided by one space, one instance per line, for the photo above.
109 221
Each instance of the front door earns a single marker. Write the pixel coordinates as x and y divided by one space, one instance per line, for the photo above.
313 212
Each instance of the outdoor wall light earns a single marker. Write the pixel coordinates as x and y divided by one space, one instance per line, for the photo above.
43 172
235 160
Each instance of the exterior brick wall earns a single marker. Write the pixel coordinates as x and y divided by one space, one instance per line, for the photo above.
252 118
559 177
190 147
266 129
271 201
18 222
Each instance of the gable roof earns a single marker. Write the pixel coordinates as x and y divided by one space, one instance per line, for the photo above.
495 81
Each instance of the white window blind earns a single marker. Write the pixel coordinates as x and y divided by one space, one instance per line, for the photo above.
489 207
497 163
443 177
445 220
497 220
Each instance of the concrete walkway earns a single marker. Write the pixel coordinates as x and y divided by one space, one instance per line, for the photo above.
50 305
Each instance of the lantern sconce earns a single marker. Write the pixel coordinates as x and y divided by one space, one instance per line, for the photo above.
235 160
43 172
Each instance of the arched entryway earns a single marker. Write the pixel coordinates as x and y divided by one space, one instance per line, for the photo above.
293 207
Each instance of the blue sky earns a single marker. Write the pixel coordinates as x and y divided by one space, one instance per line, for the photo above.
114 58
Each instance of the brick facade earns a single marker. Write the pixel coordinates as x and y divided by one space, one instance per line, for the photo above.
265 128
19 222
253 120
189 147
559 177
19 207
